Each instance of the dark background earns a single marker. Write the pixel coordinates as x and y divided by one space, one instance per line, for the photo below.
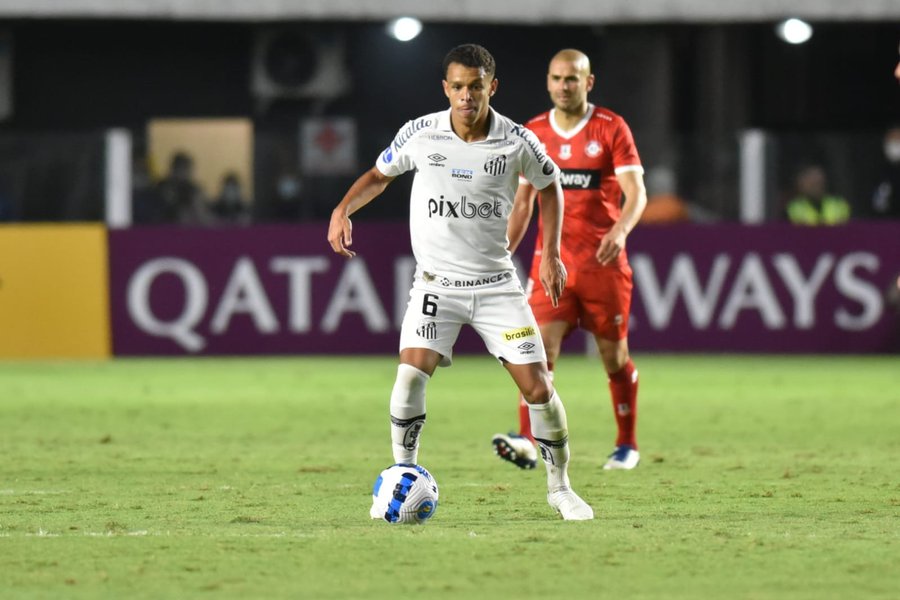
686 90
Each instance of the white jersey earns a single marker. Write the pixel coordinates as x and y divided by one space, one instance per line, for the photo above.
463 193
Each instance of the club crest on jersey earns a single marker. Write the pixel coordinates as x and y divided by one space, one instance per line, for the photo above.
565 151
495 164
593 149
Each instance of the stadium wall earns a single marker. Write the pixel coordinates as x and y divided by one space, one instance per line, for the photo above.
81 291
280 289
54 294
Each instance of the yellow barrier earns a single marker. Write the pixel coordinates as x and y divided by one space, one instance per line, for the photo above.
54 295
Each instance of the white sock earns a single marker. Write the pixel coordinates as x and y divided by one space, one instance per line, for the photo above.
551 432
407 413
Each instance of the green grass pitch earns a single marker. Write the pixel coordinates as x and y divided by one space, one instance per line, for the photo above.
762 477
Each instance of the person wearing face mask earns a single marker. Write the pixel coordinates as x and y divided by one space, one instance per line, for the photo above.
230 206
886 198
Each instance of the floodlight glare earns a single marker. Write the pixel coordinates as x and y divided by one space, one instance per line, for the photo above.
794 31
405 28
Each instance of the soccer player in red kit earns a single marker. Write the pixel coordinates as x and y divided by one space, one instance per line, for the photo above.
599 163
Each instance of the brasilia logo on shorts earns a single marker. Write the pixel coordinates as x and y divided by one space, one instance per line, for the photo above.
495 164
518 334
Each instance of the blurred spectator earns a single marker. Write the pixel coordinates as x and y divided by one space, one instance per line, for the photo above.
230 207
182 199
812 203
146 204
288 205
886 199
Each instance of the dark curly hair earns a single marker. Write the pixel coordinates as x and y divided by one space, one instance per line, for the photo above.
471 55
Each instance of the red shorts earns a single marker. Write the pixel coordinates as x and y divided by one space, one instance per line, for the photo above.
597 300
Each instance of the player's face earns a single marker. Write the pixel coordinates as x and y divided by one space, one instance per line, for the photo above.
469 90
568 85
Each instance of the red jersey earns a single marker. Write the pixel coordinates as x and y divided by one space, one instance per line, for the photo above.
589 157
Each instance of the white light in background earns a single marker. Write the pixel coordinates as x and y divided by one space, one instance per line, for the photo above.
405 28
794 31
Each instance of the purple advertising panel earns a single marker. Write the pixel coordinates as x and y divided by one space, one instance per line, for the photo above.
280 289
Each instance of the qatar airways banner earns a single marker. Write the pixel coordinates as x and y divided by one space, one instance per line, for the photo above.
280 289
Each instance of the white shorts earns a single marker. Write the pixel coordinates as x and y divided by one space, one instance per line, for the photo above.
498 312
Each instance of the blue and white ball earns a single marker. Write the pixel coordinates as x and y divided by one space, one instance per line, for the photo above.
404 493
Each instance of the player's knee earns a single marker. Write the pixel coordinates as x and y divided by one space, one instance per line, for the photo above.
538 390
410 378
614 358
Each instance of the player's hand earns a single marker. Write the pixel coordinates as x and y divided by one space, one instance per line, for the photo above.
611 246
553 278
340 234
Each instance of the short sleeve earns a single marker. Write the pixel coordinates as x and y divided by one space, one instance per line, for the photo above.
396 158
537 166
624 153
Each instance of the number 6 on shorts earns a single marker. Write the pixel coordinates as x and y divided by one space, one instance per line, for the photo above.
429 305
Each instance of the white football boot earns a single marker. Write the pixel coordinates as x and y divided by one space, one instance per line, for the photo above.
569 505
623 458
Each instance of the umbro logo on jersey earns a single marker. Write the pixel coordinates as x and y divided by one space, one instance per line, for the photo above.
436 159
575 179
495 164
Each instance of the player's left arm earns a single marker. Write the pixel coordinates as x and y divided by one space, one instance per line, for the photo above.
613 243
552 270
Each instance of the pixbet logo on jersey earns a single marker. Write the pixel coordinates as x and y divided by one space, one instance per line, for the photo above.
464 209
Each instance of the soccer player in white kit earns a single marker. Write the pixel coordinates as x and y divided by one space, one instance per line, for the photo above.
467 162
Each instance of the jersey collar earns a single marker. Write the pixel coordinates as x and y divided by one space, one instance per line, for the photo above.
575 130
495 131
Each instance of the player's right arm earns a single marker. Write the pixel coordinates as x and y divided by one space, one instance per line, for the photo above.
552 271
365 189
520 216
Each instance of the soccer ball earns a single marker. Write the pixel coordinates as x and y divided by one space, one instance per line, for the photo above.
404 493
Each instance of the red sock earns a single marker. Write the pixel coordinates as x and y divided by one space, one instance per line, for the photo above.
524 417
623 386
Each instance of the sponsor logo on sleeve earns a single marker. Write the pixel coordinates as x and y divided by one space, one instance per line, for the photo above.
407 132
388 155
